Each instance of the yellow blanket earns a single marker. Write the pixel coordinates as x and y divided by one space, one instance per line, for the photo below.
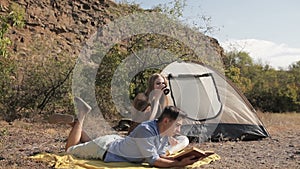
68 161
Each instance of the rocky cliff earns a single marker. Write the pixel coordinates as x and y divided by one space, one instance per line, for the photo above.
64 26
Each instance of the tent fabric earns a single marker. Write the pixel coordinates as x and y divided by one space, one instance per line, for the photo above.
192 89
216 108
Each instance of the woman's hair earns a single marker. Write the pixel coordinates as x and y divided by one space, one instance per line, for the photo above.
172 113
151 82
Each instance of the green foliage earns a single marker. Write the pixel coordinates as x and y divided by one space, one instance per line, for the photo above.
32 84
173 9
234 74
237 59
8 78
16 15
4 132
266 88
15 18
4 41
7 63
46 80
40 85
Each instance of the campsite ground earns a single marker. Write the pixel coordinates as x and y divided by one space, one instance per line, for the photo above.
21 139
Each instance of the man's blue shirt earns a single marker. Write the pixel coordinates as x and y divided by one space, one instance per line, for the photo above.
144 144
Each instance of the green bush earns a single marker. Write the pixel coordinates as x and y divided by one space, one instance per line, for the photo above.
39 83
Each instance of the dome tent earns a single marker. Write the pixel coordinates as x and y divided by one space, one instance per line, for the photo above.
216 109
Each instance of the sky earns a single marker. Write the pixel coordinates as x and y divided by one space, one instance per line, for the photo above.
269 30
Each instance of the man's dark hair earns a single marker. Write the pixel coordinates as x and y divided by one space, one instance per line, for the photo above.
172 113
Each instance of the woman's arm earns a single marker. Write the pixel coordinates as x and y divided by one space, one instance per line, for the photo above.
141 102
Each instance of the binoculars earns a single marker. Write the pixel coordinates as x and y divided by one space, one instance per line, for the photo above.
166 90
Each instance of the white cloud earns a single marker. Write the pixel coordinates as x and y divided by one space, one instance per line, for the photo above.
266 52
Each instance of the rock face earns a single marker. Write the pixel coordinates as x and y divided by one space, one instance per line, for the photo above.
64 26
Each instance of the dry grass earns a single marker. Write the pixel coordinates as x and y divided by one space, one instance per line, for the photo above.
281 150
280 122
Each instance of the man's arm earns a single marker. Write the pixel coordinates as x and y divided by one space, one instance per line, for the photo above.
169 162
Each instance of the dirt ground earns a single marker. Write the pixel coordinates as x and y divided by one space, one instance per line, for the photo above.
21 139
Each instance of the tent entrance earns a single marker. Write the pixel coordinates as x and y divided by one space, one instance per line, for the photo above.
223 132
196 94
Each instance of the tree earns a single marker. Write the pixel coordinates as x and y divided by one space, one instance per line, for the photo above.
266 88
237 65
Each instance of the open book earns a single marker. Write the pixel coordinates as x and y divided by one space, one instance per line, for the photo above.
192 151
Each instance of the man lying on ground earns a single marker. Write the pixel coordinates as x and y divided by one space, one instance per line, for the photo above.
146 143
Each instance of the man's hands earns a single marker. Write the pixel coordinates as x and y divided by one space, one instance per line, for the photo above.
165 161
187 161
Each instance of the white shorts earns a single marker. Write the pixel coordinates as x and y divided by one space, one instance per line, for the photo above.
94 149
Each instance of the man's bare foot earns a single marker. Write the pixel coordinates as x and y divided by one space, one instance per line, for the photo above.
82 107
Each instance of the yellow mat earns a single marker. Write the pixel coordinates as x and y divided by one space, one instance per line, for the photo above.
69 161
